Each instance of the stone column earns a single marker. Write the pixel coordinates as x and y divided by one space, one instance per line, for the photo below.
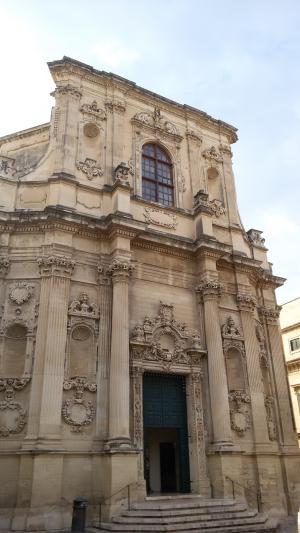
4 266
118 434
198 462
270 318
56 272
105 304
210 291
246 304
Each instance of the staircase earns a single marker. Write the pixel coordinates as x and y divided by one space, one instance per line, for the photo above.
188 514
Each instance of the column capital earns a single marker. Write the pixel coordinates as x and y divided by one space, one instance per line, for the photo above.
246 302
56 265
103 275
210 289
120 270
270 314
67 90
4 265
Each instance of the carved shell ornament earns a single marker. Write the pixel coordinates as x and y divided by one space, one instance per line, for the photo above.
20 293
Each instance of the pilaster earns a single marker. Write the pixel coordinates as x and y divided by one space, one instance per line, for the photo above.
247 304
270 318
118 434
48 376
210 290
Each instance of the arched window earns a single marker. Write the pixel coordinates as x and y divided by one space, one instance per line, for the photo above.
157 175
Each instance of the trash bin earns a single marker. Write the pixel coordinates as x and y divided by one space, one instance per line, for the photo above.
79 514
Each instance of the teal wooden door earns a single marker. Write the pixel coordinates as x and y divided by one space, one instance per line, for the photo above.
164 401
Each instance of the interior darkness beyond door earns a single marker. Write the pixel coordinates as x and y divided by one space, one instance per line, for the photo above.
166 459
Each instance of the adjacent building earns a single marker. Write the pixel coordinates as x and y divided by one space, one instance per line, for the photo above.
140 346
290 330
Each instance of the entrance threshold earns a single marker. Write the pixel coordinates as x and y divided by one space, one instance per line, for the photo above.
173 496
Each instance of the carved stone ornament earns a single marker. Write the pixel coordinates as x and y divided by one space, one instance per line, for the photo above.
120 268
212 154
254 236
193 136
13 416
93 110
83 307
214 207
246 302
7 166
159 217
239 415
20 292
121 173
56 265
263 353
136 376
90 168
210 288
157 122
77 411
4 265
115 105
164 341
270 314
269 405
67 90
225 149
230 330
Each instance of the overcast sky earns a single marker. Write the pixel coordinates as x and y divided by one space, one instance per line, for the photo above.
238 60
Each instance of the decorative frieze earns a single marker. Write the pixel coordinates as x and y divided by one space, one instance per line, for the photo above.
212 154
159 217
269 405
254 236
92 110
67 90
89 168
78 412
4 265
239 414
20 292
213 207
82 307
164 341
13 415
246 302
157 123
56 265
121 174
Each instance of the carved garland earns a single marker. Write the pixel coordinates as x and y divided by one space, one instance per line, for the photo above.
77 411
239 415
8 405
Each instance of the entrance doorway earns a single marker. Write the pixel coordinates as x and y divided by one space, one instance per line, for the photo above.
166 460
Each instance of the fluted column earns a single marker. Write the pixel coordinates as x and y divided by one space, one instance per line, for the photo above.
4 266
105 304
270 317
119 381
210 293
56 272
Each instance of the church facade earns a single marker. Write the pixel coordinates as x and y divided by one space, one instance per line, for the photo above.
139 342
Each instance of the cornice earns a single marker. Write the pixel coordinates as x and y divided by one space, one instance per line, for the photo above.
84 70
293 365
25 133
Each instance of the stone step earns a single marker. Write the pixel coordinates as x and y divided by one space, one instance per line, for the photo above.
176 518
180 503
148 513
195 525
267 527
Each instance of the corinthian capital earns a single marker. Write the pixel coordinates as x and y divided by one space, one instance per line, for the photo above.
56 265
270 314
4 265
120 269
246 302
209 288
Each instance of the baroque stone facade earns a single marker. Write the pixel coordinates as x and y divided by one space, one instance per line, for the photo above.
109 281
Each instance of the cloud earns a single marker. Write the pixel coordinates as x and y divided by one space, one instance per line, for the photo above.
113 54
